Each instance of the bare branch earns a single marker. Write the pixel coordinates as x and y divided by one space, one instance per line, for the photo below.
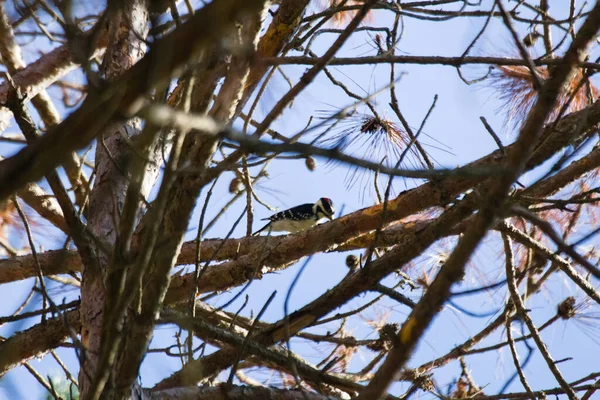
518 302
36 340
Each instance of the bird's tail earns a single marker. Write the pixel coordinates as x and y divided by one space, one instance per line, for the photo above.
262 229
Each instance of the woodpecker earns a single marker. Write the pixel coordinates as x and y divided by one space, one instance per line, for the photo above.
299 218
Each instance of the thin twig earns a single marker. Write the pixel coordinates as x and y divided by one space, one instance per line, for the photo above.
42 381
537 82
509 337
194 293
518 302
493 134
40 273
564 247
248 336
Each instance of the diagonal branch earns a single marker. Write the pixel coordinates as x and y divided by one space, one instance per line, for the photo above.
37 76
44 204
518 302
282 27
563 264
453 270
36 340
413 245
277 356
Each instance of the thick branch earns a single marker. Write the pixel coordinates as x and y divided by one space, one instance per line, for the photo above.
36 340
56 262
278 34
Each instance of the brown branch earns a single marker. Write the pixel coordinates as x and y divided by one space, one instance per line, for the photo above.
280 253
282 27
36 340
23 315
56 262
513 349
44 204
563 264
547 228
40 74
278 356
497 346
588 394
41 380
422 60
537 83
547 29
565 176
518 302
52 262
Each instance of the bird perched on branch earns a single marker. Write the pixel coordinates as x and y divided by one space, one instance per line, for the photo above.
299 218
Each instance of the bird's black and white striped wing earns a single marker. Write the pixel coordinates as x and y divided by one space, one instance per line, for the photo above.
298 213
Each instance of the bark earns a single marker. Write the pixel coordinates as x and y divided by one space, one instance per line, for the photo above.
118 355
279 33
181 198
37 340
128 29
56 262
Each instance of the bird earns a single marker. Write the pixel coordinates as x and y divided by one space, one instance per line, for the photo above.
299 218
